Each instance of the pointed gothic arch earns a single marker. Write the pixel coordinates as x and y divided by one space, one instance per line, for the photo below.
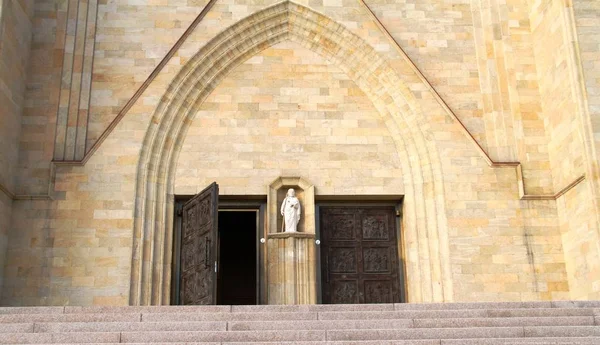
424 223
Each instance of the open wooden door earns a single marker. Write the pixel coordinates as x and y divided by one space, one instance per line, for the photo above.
199 248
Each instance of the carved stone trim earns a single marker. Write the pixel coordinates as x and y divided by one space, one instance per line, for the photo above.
291 234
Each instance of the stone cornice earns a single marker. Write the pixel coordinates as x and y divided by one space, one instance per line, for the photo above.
14 196
290 234
8 193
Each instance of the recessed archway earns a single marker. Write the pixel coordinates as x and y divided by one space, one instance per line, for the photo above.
426 244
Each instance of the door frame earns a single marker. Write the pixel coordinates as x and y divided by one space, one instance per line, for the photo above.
226 203
397 204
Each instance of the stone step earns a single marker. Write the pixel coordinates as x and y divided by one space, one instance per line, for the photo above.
426 333
16 327
319 325
563 331
27 318
32 310
506 322
360 335
393 342
209 326
148 309
496 341
302 308
66 338
162 317
527 323
467 313
413 323
366 315
466 333
405 306
271 336
281 316
520 341
59 327
241 336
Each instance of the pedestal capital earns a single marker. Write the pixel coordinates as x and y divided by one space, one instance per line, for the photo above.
281 235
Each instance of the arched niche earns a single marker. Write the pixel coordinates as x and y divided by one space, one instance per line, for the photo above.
305 191
426 238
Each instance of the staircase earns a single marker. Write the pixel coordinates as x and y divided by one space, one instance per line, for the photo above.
382 324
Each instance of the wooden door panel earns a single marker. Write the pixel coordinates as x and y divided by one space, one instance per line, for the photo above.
199 248
375 227
377 260
345 292
378 291
359 255
342 226
343 260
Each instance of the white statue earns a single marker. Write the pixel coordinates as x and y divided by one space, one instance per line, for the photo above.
290 210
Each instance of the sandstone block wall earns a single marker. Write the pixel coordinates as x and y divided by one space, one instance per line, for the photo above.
568 120
15 40
262 89
288 112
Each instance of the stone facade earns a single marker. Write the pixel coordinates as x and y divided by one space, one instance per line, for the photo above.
15 43
481 115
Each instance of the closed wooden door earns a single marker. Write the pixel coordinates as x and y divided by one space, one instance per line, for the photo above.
199 248
359 255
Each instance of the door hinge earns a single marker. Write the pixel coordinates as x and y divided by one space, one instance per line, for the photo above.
215 267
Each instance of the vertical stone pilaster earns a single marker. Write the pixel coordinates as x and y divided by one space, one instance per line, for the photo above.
72 116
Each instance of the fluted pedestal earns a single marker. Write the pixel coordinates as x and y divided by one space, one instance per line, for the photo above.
291 268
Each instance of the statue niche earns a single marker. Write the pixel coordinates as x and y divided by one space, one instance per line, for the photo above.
277 195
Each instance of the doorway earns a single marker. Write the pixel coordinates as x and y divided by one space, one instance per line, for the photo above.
217 257
359 254
237 280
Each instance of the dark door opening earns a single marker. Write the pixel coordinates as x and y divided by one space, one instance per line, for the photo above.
237 272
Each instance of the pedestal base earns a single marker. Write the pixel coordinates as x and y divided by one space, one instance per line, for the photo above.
291 268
